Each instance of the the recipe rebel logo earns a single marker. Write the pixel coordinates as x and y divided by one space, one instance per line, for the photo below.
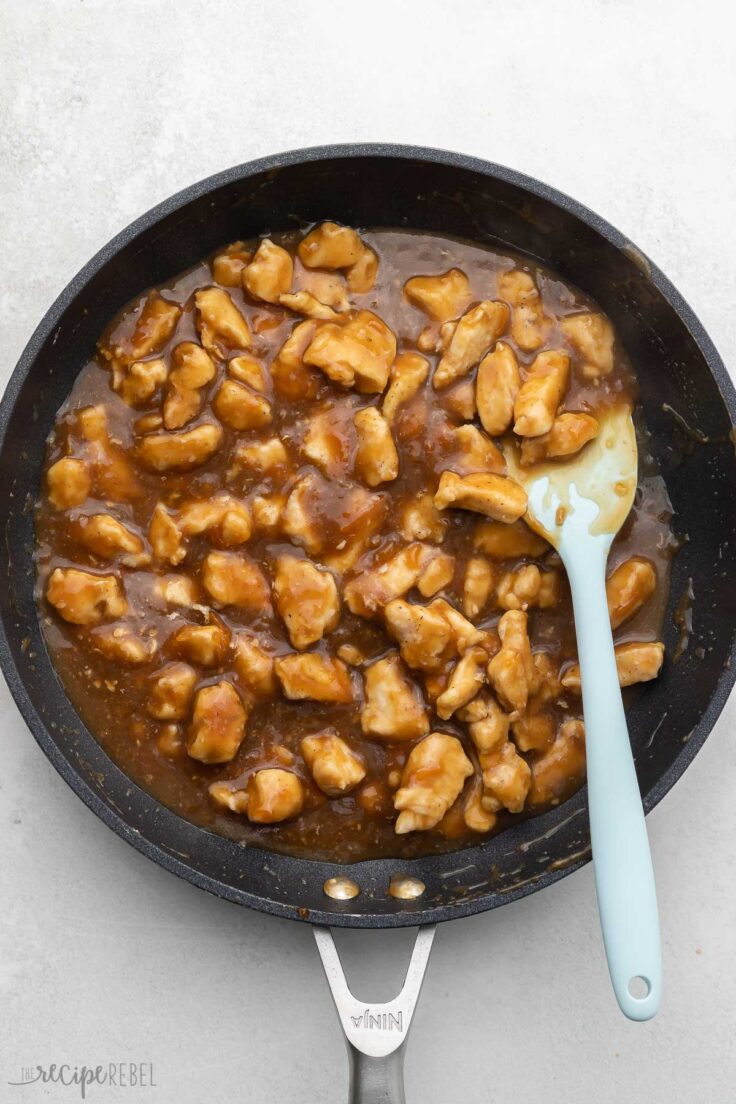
118 1075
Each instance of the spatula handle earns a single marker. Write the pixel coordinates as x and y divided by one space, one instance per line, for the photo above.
624 878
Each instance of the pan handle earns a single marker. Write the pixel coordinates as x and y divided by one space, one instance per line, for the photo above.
375 1033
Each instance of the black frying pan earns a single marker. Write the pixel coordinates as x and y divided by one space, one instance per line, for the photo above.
690 408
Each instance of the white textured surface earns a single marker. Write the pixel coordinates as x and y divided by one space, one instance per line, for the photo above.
107 108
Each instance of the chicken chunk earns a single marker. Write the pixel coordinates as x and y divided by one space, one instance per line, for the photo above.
529 324
394 709
475 817
511 670
465 682
225 517
166 540
559 770
438 574
477 586
239 407
109 539
420 520
138 382
303 302
408 374
218 724
496 496
496 388
440 297
267 511
357 354
488 725
306 599
459 400
68 482
474 334
270 273
423 634
473 452
233 579
172 690
591 336
222 328
192 369
502 541
180 451
570 433
154 325
527 586
176 590
82 598
330 246
327 288
534 730
113 477
246 369
334 765
361 276
431 781
506 778
300 518
228 264
541 393
271 795
122 645
463 633
262 457
254 666
292 379
370 591
628 588
313 677
376 460
206 645
635 662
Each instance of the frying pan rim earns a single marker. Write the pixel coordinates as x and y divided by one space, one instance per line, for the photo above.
42 734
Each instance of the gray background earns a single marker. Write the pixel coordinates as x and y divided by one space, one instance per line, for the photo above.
108 108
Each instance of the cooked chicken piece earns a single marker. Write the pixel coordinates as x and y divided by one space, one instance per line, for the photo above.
218 724
327 287
166 540
635 662
477 586
176 590
528 586
261 457
138 382
501 541
423 634
511 671
222 328
267 511
441 297
303 302
239 407
246 369
270 796
172 690
561 768
270 273
534 730
465 682
328 442
496 496
359 353
437 575
430 782
68 483
376 460
474 452
204 644
628 588
109 539
545 686
351 655
506 779
306 600
153 327
292 379
254 666
192 369
496 388
362 275
529 324
459 401
474 334
330 246
83 598
475 817
569 433
122 645
591 336
226 517
180 451
393 708
335 767
313 677
370 591
541 393
228 265
299 519
488 725
233 579
420 520
463 633
113 477
408 374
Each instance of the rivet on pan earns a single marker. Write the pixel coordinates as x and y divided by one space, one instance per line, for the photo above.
341 889
406 888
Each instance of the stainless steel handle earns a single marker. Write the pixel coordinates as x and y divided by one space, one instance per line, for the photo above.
375 1033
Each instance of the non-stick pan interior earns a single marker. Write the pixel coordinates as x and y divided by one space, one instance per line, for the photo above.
686 397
